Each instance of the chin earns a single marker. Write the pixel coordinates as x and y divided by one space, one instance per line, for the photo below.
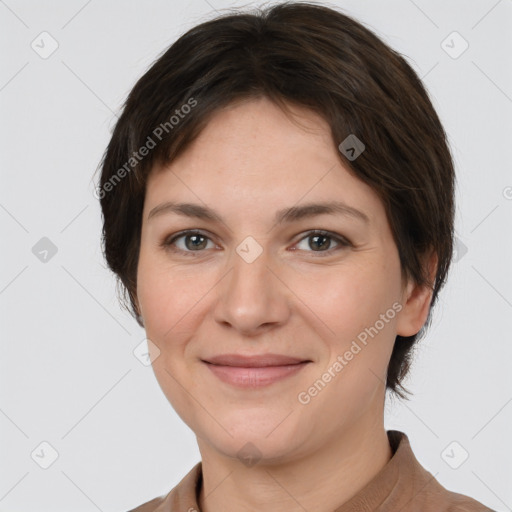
267 435
251 450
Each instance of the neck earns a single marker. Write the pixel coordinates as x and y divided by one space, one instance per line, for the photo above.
321 481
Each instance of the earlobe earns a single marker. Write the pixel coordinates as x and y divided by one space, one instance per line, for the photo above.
416 302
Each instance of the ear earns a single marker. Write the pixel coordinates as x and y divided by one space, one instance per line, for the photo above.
416 300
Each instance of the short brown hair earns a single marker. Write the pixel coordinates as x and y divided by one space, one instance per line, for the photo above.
312 56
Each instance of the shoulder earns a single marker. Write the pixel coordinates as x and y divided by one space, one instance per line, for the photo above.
423 491
149 506
183 497
161 504
437 498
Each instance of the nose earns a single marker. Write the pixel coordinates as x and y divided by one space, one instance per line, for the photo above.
252 297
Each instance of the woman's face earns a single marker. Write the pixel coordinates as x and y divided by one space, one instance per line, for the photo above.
258 282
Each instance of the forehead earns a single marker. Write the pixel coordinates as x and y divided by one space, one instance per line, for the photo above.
252 153
257 131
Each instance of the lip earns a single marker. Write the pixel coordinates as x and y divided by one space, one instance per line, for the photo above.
256 361
254 371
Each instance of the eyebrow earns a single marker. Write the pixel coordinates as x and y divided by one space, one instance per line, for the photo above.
286 215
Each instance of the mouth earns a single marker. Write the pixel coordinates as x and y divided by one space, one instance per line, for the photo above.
254 371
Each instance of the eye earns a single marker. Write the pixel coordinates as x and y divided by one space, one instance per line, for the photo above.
196 241
193 241
320 239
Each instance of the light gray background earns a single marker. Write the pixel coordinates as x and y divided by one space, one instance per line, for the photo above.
68 373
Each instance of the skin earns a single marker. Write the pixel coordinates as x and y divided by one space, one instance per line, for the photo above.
296 298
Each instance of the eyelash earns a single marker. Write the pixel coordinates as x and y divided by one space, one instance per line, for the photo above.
168 243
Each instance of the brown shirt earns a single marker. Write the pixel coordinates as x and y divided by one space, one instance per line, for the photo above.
402 485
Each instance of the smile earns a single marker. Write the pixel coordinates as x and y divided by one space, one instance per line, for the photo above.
254 376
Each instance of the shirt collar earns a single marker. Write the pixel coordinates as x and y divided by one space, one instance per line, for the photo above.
402 484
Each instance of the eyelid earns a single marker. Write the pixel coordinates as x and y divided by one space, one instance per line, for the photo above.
343 242
340 239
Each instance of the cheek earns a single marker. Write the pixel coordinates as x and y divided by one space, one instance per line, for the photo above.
170 301
168 295
358 307
351 299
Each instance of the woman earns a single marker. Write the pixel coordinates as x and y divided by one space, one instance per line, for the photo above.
278 206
